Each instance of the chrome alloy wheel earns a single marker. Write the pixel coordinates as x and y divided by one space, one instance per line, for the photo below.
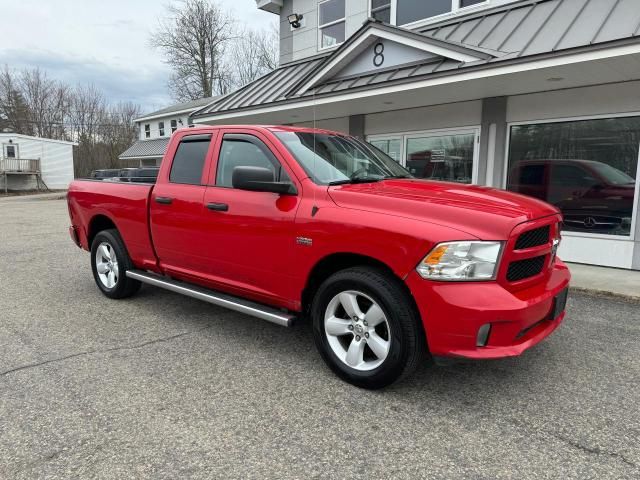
107 265
357 330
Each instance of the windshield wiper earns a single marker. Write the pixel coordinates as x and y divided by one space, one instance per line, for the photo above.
391 177
355 180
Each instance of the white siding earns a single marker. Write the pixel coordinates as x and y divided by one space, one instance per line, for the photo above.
56 162
155 126
57 165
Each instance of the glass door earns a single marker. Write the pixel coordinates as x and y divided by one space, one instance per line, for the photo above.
446 155
390 146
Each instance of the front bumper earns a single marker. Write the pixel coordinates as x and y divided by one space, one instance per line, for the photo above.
453 312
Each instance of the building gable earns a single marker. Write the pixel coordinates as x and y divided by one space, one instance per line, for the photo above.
382 54
377 47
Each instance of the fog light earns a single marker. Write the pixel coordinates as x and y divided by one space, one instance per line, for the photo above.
483 335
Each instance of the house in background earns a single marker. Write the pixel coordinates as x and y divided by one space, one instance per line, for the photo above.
540 97
155 130
30 163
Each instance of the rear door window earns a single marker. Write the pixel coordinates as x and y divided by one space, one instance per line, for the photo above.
189 160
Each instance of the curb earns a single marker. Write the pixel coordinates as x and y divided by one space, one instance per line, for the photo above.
34 198
606 294
62 196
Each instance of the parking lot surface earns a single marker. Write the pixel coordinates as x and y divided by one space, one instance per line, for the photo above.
164 386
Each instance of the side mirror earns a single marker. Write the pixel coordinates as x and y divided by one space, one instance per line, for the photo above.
259 179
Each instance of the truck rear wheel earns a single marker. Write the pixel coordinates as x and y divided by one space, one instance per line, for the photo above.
109 264
366 328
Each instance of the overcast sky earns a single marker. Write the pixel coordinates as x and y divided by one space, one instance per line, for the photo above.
105 42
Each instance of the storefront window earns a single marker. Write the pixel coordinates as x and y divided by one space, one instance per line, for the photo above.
391 147
586 168
442 157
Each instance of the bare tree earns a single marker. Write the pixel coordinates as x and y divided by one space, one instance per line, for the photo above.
47 102
14 111
193 38
117 131
87 111
33 104
268 44
252 55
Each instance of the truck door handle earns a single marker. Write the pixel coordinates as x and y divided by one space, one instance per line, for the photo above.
164 200
218 207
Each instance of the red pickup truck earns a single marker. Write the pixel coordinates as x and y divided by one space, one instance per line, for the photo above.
283 222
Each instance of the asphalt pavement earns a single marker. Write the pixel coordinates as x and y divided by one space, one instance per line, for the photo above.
163 386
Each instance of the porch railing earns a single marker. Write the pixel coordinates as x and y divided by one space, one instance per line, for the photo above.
20 165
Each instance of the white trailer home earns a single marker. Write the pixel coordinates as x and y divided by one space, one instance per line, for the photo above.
29 163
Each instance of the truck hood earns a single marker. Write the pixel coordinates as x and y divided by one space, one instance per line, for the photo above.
486 213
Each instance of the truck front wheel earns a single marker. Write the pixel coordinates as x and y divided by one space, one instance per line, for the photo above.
109 263
366 328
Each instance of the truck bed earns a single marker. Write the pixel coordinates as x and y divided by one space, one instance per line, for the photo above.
125 204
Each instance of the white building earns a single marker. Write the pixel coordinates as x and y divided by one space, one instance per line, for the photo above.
537 96
155 129
29 163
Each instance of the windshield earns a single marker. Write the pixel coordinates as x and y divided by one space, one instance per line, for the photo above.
333 159
613 175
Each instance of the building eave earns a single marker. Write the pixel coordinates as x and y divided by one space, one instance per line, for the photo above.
271 6
42 139
470 72
139 157
165 115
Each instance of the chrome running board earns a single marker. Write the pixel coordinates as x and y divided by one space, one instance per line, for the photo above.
241 305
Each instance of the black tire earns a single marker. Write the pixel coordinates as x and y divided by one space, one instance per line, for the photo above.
124 287
407 344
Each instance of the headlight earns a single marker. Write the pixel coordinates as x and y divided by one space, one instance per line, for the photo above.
461 261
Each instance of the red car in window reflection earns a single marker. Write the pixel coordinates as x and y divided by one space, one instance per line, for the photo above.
593 196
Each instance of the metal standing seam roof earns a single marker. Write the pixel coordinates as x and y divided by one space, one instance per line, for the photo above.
270 88
511 31
543 26
146 149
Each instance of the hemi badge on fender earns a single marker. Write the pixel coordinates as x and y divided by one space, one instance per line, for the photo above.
307 242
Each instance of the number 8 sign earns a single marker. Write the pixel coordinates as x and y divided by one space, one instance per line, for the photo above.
378 54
